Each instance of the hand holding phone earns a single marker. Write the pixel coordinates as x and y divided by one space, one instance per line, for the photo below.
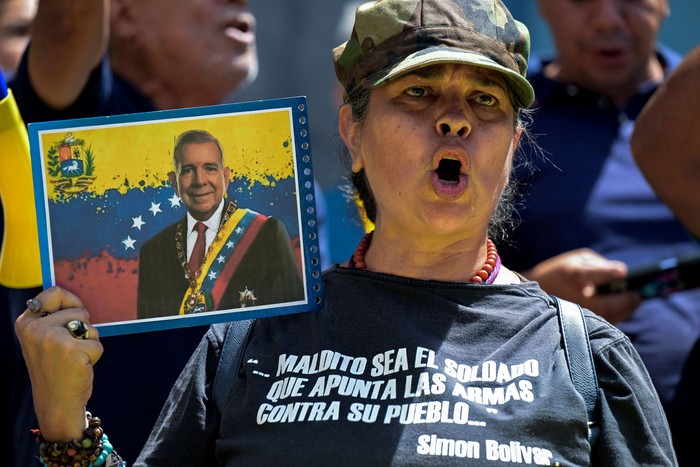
660 279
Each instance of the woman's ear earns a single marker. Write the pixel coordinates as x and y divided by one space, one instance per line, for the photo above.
350 132
516 137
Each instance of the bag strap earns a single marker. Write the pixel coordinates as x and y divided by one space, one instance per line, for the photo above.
579 356
230 360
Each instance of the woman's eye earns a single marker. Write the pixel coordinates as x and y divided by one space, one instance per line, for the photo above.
486 100
416 92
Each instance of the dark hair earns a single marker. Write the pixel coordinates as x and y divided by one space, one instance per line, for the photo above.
194 137
502 219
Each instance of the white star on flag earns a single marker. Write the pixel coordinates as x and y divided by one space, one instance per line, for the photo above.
229 244
155 208
239 230
138 222
220 259
174 201
128 243
211 275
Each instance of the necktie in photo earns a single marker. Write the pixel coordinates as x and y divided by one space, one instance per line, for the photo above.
197 256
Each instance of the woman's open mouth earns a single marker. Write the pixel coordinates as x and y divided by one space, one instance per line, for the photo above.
448 170
448 181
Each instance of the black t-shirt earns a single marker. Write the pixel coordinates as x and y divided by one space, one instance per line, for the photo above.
394 371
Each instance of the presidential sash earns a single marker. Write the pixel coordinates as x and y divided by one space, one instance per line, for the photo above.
223 257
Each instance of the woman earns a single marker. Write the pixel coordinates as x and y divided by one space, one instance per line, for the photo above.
427 350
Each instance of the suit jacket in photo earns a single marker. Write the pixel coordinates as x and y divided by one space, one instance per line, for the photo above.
268 269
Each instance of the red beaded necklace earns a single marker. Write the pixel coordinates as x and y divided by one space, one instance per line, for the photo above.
358 258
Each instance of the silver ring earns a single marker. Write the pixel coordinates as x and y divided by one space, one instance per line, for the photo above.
78 329
34 305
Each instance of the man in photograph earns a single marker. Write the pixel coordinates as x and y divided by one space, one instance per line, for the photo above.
218 256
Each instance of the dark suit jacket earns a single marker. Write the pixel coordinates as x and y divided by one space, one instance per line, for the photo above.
269 269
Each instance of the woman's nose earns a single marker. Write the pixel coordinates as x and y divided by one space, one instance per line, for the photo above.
453 122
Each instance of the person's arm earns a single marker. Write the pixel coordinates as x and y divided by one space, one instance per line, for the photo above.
666 141
68 41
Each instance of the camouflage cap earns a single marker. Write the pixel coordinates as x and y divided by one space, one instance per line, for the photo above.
393 37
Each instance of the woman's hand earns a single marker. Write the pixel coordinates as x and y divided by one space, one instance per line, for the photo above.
60 365
574 275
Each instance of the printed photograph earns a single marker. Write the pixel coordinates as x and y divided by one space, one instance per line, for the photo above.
184 217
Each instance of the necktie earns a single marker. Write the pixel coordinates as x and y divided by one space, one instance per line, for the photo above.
197 256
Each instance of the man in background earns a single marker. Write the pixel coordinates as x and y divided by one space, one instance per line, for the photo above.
121 56
589 215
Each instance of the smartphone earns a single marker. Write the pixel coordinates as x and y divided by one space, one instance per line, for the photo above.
660 279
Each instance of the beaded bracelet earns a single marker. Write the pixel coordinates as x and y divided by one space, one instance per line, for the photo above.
90 451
